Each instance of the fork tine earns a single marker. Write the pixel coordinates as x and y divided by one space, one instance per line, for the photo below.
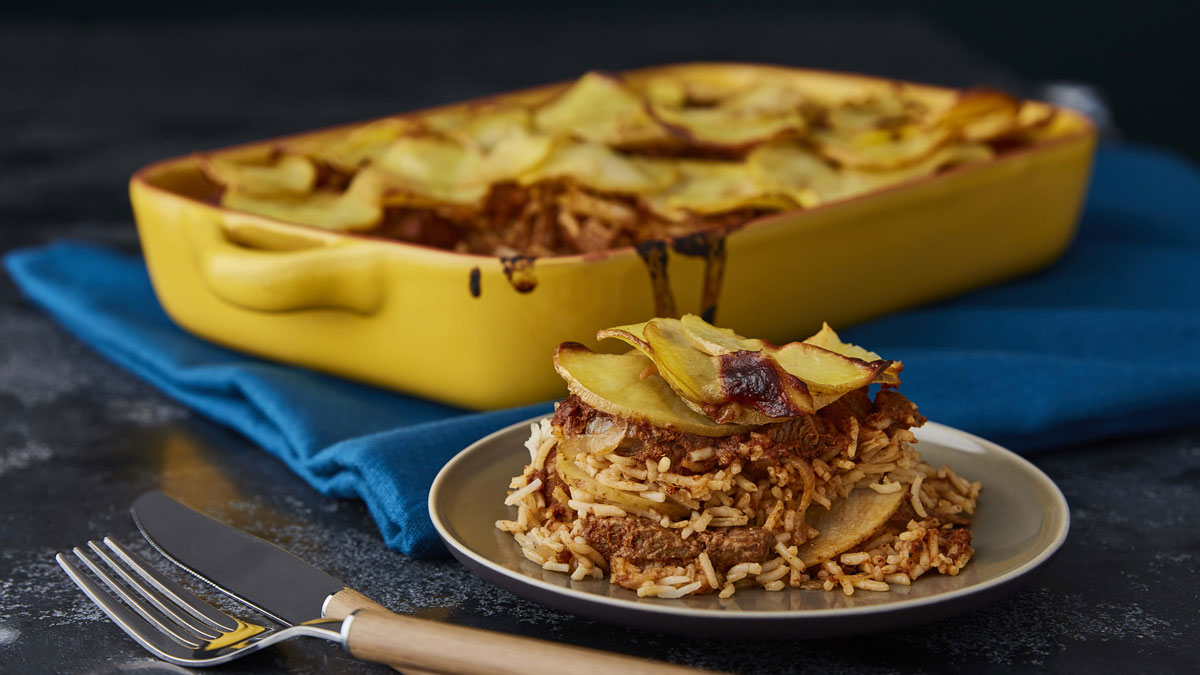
171 610
161 623
173 591
134 626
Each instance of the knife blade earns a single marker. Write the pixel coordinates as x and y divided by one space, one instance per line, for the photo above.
250 569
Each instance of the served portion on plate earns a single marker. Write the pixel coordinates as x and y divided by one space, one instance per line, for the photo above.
610 161
704 462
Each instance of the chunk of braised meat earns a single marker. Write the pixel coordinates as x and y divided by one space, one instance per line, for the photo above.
641 541
729 546
419 226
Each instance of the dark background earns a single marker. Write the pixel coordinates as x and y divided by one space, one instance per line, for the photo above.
90 92
1142 55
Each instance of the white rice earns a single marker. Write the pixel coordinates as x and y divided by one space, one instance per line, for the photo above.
874 457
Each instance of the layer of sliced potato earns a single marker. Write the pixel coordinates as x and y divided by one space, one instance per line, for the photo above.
792 169
600 108
708 187
686 145
827 374
849 522
514 154
483 127
291 175
576 477
358 208
737 387
724 412
627 385
631 334
692 373
882 149
717 375
715 341
826 371
980 114
827 338
357 147
735 125
600 168
435 167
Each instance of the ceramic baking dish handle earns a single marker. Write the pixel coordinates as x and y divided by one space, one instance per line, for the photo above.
284 272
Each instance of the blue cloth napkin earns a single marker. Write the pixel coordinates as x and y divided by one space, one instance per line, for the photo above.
345 439
1102 343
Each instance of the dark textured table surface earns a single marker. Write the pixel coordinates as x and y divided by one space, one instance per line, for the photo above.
82 106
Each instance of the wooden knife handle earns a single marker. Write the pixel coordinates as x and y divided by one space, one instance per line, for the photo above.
435 647
348 601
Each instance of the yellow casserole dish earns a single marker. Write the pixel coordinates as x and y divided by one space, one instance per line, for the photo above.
477 331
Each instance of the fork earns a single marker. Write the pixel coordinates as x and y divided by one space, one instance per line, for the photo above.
179 627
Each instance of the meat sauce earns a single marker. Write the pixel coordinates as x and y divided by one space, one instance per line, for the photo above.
642 541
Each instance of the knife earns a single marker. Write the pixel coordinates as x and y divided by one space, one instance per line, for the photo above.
290 591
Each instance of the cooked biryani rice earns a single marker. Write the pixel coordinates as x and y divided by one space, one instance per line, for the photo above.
744 502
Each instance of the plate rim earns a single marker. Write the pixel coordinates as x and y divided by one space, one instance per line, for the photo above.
763 615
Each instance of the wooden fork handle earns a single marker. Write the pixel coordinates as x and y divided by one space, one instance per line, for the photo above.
435 647
420 647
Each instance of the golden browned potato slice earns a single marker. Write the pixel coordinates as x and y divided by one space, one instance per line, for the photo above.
752 116
698 87
849 522
767 98
600 108
432 167
631 334
693 374
848 118
723 128
981 114
792 169
1035 115
600 168
827 372
882 149
358 208
292 175
727 385
715 341
827 338
879 133
576 477
627 385
481 126
515 154
665 91
357 147
742 387
708 187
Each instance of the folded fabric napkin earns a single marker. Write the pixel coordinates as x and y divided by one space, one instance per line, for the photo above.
1101 343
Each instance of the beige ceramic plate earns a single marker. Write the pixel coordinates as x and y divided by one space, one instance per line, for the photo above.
1021 523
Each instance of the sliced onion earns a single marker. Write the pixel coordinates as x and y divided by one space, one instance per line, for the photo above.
602 437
